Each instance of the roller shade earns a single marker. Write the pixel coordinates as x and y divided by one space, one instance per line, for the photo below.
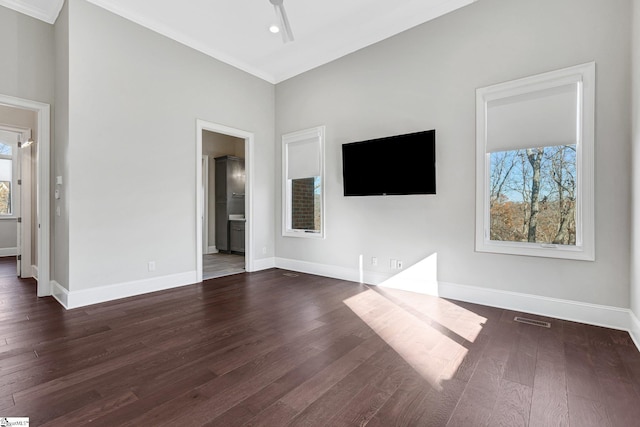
8 139
304 158
542 118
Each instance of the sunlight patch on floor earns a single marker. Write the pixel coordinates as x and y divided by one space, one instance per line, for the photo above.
432 354
420 281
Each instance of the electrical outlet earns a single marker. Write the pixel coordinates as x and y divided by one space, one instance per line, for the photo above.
374 261
152 266
399 265
394 264
264 250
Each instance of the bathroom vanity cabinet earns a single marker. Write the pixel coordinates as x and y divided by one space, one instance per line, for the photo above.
236 235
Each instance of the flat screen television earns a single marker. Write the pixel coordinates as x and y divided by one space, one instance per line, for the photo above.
395 165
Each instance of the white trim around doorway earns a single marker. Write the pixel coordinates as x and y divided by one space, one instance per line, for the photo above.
43 112
22 202
202 125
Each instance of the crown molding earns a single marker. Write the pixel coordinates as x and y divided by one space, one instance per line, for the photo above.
48 14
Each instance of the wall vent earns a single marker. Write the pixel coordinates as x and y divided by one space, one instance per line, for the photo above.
532 322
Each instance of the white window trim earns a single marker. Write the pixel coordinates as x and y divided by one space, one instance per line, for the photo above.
291 138
584 249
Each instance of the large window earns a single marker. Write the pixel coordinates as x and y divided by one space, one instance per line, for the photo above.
303 180
534 193
8 166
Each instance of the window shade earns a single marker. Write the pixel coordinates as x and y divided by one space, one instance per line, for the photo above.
9 137
304 158
542 118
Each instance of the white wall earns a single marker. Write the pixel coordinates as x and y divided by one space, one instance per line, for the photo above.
635 167
216 144
59 154
134 97
426 78
27 52
26 49
8 237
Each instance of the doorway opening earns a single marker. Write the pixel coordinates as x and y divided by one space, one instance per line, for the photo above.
223 233
16 220
37 156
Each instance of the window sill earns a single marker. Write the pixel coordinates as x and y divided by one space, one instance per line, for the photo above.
303 234
580 253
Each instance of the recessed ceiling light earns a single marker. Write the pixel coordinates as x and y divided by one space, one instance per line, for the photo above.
274 29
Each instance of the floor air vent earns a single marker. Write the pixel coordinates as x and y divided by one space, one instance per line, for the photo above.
290 274
532 322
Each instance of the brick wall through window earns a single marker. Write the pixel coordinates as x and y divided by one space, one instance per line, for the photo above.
303 212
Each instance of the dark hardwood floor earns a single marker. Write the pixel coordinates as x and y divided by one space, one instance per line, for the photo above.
274 349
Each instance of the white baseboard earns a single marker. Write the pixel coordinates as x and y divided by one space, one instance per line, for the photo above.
212 250
332 271
84 297
34 271
576 311
593 314
60 294
8 252
263 264
374 278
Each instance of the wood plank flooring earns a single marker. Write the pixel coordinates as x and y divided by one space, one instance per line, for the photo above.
269 349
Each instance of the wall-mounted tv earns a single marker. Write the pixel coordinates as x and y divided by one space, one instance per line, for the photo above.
395 165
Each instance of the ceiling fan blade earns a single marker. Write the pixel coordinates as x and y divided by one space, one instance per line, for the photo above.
287 34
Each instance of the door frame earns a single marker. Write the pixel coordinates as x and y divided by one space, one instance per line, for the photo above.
43 113
203 125
205 204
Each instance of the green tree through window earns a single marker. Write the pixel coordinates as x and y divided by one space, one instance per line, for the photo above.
533 195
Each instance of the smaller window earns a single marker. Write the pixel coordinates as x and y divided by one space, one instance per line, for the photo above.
303 181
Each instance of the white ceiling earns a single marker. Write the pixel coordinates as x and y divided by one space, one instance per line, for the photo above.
236 31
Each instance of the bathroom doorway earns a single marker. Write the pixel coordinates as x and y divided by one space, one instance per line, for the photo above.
223 201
